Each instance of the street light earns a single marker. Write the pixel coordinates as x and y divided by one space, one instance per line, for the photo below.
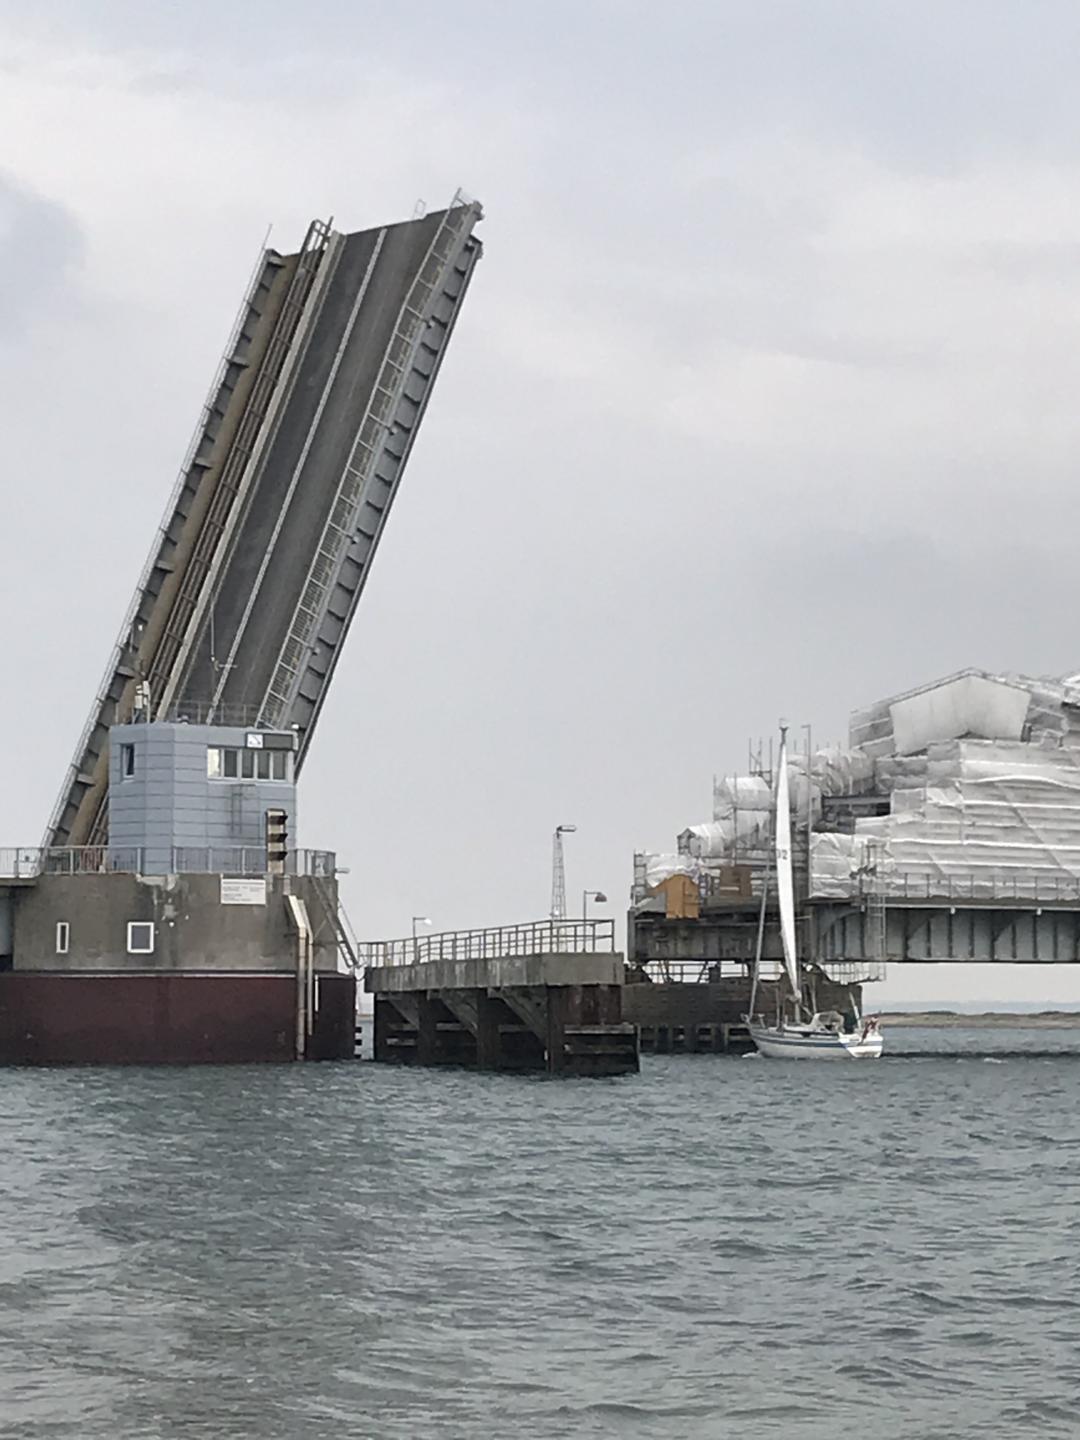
419 920
597 895
558 872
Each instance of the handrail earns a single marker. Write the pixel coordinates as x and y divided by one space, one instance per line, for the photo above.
204 712
28 862
539 937
896 886
921 886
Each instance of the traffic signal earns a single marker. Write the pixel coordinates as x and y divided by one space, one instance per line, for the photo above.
277 841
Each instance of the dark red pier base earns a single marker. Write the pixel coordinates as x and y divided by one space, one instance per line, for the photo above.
67 1019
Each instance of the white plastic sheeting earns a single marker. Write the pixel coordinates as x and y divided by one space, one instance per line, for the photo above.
835 863
898 772
980 815
842 772
742 804
1051 712
740 792
661 867
965 705
994 818
743 830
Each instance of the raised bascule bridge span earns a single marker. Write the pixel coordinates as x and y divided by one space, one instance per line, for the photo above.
245 601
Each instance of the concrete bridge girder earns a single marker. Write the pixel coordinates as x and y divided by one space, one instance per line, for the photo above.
1008 934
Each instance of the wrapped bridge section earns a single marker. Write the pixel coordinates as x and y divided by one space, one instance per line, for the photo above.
245 602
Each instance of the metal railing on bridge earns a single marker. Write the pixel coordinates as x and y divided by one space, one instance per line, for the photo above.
205 712
893 886
972 888
28 863
540 937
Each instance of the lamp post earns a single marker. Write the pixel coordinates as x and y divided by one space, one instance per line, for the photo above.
558 872
597 895
418 920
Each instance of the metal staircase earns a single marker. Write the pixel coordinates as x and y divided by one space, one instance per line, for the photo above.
336 917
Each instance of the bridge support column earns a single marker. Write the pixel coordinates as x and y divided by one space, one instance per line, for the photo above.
560 1004
427 1030
489 1013
585 1033
396 1029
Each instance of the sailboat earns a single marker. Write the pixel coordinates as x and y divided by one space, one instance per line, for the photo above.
824 1035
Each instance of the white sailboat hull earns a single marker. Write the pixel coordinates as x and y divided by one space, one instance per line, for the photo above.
799 1043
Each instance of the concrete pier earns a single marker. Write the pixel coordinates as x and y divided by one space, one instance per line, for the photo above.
487 1000
695 1008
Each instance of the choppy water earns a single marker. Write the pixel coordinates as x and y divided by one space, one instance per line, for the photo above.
718 1247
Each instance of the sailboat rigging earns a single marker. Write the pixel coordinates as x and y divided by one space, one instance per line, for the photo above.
825 1034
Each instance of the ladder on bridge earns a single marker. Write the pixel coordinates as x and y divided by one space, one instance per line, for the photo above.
348 946
874 894
871 879
341 528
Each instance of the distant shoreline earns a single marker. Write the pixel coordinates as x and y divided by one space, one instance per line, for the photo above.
984 1020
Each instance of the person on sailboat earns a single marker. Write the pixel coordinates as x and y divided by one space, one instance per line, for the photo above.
821 1034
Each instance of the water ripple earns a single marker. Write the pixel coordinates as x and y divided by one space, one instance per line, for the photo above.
715 1248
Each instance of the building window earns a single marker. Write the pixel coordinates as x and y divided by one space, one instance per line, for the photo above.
127 761
63 937
224 763
140 937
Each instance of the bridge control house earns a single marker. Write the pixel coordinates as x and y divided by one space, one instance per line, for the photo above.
197 934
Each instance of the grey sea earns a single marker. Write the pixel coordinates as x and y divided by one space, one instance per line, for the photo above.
718 1247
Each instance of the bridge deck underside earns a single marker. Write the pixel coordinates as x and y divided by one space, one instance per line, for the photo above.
999 933
1008 934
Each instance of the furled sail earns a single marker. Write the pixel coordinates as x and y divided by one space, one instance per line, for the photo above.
784 880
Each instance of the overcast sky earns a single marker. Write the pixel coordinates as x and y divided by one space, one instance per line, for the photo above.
764 399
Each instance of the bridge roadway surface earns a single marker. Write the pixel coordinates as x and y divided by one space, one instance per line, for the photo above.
219 609
290 546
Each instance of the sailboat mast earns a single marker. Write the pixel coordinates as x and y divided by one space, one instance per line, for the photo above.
785 884
808 913
760 934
